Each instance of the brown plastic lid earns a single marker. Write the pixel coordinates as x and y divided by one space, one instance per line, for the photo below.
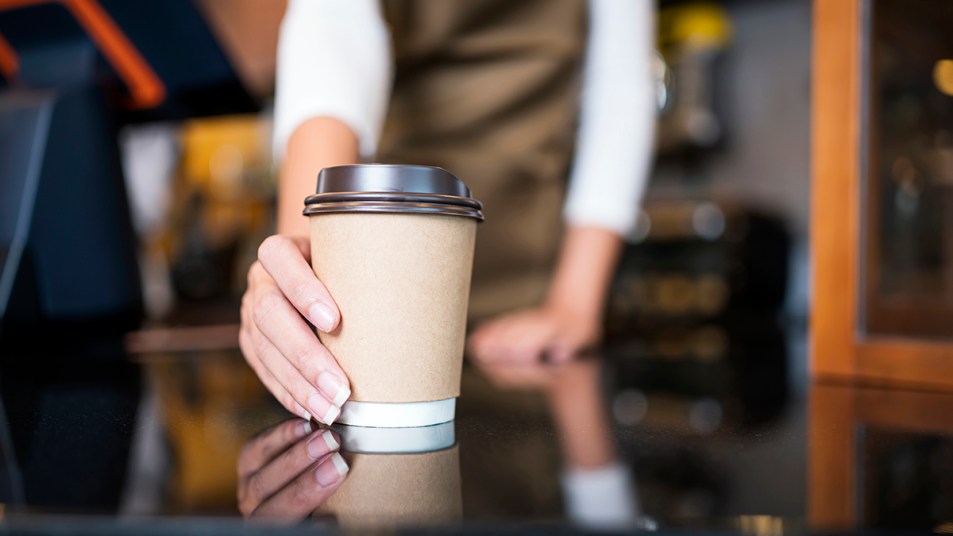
392 189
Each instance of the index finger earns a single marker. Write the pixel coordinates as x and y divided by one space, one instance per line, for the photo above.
270 444
286 259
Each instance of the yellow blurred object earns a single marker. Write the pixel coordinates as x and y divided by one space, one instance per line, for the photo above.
943 76
216 153
703 25
208 425
223 204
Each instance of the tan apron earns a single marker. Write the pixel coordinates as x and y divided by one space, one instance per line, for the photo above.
489 90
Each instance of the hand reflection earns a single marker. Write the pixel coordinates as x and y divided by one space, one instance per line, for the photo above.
575 398
288 471
521 376
598 487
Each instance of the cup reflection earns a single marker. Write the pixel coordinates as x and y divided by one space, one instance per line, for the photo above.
399 477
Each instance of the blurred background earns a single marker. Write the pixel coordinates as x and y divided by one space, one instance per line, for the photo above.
137 181
707 318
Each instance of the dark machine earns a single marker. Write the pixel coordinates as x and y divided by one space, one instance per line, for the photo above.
72 72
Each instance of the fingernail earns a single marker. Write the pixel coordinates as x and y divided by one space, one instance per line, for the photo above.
321 444
321 316
325 411
331 471
332 415
302 412
303 429
332 386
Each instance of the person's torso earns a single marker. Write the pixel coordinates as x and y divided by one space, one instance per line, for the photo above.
489 90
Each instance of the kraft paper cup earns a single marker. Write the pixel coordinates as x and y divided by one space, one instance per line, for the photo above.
394 246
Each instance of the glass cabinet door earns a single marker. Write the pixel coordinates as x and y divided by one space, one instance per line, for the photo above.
907 167
882 191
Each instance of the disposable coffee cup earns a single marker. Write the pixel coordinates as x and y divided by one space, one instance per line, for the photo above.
397 477
394 247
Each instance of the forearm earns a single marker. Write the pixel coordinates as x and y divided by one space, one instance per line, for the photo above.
317 143
584 271
576 403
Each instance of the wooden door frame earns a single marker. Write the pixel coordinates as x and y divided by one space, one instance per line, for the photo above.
839 348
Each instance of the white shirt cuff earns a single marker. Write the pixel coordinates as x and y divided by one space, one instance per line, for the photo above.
601 498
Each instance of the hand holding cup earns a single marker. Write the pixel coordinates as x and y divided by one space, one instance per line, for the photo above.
283 300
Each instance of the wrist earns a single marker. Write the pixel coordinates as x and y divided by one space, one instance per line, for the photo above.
578 302
317 143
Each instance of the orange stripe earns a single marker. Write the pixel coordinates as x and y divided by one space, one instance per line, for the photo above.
13 4
9 64
145 88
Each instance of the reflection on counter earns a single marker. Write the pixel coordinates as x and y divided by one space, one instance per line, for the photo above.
398 477
54 454
541 445
597 485
198 411
412 476
880 458
288 470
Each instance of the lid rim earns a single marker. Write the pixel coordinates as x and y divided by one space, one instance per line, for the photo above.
376 207
393 188
392 197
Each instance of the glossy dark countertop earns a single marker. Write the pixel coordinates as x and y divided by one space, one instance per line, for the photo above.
168 441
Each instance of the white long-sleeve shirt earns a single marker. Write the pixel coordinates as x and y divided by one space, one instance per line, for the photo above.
334 59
